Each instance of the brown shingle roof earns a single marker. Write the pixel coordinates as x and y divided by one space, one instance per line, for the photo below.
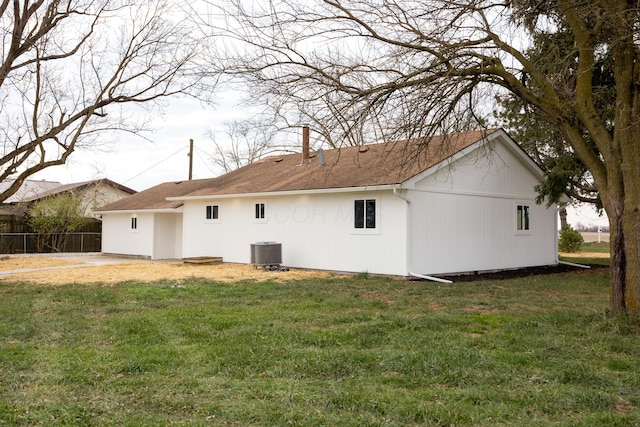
156 197
363 166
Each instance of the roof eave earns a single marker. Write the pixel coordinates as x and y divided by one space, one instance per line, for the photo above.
145 210
288 193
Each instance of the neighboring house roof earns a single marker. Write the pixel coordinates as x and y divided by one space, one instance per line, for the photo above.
29 189
372 165
80 186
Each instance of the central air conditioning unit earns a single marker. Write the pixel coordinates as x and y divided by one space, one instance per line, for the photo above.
266 254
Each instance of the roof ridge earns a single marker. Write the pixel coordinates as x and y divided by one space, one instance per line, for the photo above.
484 132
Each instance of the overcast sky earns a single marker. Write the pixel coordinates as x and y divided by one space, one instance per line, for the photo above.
141 164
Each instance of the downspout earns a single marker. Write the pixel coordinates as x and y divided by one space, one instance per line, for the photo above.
573 265
409 217
556 240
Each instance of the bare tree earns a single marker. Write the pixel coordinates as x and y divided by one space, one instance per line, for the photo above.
354 76
415 67
72 70
246 141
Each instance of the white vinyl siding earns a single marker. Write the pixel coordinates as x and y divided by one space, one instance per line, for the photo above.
316 231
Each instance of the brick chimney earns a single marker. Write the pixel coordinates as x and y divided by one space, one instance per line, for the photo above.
305 143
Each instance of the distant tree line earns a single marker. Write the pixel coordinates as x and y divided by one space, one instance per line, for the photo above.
591 228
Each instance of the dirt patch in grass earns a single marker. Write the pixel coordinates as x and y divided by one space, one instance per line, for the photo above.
15 263
584 254
60 271
57 271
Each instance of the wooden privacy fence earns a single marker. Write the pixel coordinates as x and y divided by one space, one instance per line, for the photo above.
30 243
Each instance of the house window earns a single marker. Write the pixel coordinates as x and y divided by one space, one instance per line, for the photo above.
260 211
522 217
365 213
134 223
211 212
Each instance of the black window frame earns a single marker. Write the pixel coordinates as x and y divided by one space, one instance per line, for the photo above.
212 212
523 217
260 212
364 214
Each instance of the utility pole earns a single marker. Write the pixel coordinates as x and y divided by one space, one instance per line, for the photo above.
190 159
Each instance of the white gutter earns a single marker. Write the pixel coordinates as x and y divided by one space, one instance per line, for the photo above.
142 210
411 273
287 193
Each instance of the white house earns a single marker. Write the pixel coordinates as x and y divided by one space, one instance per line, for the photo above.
460 203
94 194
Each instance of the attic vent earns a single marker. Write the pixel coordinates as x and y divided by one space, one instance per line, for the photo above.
178 182
278 160
363 149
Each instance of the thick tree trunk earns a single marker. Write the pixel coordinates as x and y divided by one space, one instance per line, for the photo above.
618 264
631 227
631 219
625 255
622 202
623 209
621 160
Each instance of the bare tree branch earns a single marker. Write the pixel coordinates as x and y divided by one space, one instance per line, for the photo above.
70 66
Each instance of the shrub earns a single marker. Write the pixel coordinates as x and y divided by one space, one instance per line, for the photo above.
53 217
570 240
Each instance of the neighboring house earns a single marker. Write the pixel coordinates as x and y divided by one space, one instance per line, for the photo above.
465 203
95 193
30 188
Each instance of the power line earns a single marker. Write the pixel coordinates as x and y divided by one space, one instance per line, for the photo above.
153 166
198 152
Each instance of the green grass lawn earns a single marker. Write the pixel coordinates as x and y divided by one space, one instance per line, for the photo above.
360 351
587 248
602 247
